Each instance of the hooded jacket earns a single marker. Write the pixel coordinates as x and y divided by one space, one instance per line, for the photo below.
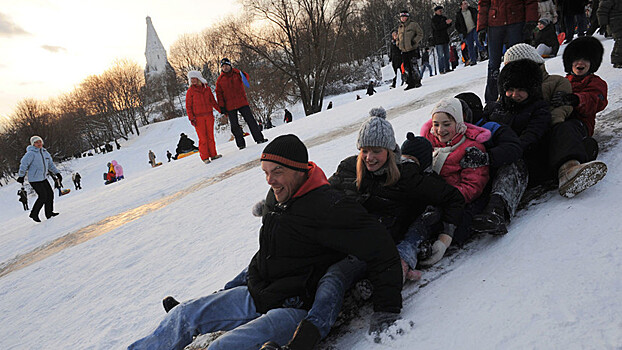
470 181
200 102
118 169
398 205
36 162
300 238
230 90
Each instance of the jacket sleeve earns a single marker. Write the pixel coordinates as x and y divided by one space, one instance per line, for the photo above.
189 105
212 100
473 180
482 14
24 163
507 147
433 190
344 178
593 98
416 40
539 123
220 95
559 114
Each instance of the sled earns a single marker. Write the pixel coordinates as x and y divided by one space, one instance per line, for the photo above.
184 155
157 164
561 37
65 191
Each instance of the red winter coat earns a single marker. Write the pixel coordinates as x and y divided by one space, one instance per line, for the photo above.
592 92
200 101
496 13
469 181
230 90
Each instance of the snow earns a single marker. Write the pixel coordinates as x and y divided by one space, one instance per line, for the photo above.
554 281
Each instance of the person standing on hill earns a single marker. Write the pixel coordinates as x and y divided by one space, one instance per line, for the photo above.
395 57
152 158
232 99
370 88
199 104
610 14
466 25
169 155
76 180
440 25
23 197
37 162
288 116
409 35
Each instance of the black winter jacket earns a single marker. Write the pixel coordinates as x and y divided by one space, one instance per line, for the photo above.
548 37
439 30
396 54
461 24
504 145
530 120
301 238
399 205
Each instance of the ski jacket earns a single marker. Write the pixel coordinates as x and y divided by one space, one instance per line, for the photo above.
439 30
230 90
610 14
497 13
409 35
319 226
396 54
550 85
398 205
470 181
460 22
118 169
503 147
529 120
548 37
36 162
200 102
592 92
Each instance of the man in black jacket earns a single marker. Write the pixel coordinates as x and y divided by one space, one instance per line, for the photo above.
440 25
308 228
466 25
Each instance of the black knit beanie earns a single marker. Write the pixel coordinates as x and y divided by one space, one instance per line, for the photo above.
418 147
225 61
288 151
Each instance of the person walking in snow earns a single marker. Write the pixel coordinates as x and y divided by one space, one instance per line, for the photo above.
199 104
232 99
152 158
370 88
395 58
425 62
169 155
37 162
307 228
288 116
76 178
58 185
23 197
409 36
466 25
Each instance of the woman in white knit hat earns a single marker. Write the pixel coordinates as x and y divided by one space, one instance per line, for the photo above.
37 163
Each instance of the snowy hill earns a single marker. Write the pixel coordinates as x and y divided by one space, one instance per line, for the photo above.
185 228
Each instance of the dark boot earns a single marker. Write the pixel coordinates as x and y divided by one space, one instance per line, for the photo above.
306 337
34 217
493 218
169 303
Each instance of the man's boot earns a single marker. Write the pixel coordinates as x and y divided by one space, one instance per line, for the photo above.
492 219
575 177
306 337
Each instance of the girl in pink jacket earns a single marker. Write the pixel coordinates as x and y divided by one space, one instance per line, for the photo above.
118 170
459 154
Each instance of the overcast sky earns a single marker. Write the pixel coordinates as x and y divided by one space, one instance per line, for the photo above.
48 47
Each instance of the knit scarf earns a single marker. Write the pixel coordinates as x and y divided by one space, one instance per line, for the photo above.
440 154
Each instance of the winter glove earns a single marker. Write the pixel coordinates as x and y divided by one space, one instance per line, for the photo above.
438 249
20 180
363 289
381 320
561 98
528 30
481 37
260 209
193 121
474 158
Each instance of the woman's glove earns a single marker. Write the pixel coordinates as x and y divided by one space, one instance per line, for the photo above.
438 249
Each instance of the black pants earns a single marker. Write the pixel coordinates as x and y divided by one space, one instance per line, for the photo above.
411 67
77 183
45 196
250 121
25 204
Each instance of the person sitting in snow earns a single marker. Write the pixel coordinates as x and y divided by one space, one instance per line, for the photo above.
545 40
459 158
310 227
184 145
118 170
110 175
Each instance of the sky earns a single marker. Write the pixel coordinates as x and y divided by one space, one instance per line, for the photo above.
49 47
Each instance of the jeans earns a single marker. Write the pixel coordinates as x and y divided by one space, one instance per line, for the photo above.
232 310
443 57
497 36
425 65
409 247
471 39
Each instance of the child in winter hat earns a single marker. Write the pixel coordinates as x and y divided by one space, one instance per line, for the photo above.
418 147
195 74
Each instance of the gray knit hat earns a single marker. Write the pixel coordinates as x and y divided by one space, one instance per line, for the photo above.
522 51
376 131
34 139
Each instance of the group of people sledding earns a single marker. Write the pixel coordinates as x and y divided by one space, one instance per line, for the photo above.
114 173
366 226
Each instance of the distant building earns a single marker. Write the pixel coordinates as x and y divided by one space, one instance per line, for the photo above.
159 74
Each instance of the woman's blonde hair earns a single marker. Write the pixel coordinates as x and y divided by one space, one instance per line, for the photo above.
393 173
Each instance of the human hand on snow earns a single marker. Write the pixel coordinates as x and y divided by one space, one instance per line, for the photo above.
438 250
381 320
474 158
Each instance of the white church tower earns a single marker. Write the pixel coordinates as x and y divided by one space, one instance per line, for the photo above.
159 74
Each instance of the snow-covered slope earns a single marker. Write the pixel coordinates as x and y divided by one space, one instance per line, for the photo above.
555 281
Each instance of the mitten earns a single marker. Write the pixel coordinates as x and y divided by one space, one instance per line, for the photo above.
439 247
481 36
474 158
20 179
260 209
363 289
381 320
223 110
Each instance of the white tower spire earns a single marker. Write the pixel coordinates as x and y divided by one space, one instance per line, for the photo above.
154 52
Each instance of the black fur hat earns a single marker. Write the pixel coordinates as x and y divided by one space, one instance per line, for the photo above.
522 74
474 104
586 47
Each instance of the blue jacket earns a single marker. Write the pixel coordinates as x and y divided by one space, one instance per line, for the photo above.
36 162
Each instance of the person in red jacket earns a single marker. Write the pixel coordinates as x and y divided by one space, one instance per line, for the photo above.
505 22
199 104
232 99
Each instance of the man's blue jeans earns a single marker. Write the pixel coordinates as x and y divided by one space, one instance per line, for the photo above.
442 51
230 310
424 66
471 41
497 37
409 246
